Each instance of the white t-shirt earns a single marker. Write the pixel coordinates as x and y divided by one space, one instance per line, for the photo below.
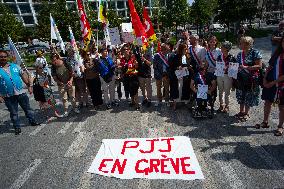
200 52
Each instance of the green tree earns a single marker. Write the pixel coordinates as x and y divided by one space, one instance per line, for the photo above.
202 11
63 17
10 25
114 19
231 11
175 13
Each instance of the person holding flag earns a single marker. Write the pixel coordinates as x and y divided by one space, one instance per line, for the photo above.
12 91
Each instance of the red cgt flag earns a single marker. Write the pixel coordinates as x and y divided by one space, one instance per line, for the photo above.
148 26
139 29
85 26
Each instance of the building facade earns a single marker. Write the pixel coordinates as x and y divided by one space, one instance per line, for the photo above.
26 10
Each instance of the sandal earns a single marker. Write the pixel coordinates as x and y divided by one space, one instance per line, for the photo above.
226 109
279 131
221 109
240 114
263 125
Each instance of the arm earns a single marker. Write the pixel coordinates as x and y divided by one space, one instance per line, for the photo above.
213 87
257 65
27 79
192 86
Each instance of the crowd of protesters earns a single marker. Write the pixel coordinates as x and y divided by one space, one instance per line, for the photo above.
102 72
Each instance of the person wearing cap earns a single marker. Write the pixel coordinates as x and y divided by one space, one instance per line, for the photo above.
12 91
107 67
161 73
197 53
277 35
63 75
41 61
225 83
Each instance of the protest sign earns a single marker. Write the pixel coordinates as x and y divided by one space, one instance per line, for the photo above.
220 66
182 73
127 37
202 91
127 27
151 158
233 70
114 36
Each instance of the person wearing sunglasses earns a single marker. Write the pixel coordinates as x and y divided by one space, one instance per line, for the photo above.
12 91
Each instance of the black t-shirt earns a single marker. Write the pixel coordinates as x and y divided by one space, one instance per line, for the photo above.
208 77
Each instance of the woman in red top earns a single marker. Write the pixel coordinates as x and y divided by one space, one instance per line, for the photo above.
130 74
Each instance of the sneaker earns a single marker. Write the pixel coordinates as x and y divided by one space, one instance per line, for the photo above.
145 101
137 108
76 110
65 114
17 131
168 104
34 123
115 103
108 106
157 104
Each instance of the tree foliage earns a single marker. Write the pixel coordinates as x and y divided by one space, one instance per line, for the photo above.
176 13
236 10
11 25
202 11
64 16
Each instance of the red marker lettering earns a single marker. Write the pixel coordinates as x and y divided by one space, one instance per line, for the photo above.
102 165
152 146
125 145
119 167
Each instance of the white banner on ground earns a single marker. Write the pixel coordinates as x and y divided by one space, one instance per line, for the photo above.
114 36
151 158
233 70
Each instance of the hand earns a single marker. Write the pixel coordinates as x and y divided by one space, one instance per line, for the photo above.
269 84
69 83
30 89
1 99
243 67
60 84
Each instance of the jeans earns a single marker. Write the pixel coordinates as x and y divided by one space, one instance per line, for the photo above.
12 105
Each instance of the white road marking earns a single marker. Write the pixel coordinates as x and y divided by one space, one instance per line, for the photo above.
81 124
38 129
67 125
26 174
79 145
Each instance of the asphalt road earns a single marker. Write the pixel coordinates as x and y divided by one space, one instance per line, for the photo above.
57 155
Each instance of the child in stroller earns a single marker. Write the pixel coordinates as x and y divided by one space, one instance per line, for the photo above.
203 85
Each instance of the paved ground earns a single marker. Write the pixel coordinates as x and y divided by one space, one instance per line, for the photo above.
57 155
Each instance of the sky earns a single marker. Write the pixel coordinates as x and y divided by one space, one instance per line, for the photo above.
190 1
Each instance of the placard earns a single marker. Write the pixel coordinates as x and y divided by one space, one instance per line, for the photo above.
151 158
127 37
233 70
220 69
182 73
127 27
114 36
202 91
